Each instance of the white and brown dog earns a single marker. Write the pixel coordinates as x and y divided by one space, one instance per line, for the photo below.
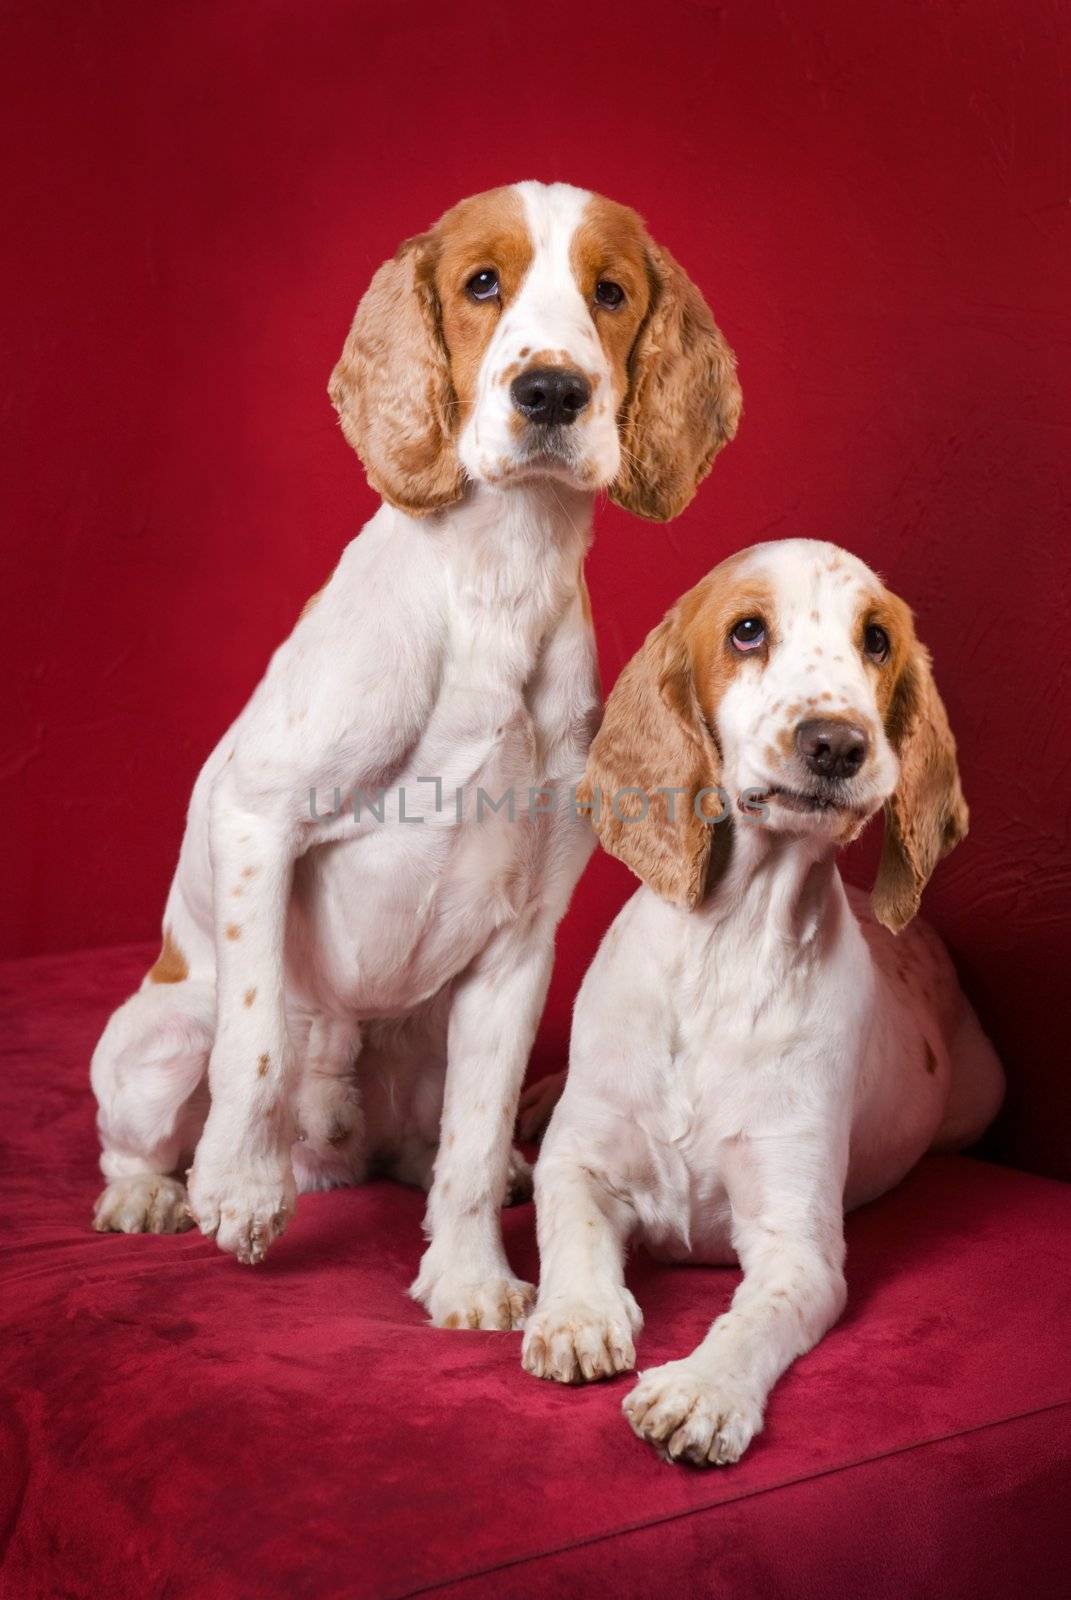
350 926
752 1048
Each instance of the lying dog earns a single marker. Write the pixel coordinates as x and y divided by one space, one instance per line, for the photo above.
751 1050
324 958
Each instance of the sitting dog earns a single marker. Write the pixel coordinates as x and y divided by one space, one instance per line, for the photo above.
365 893
753 1049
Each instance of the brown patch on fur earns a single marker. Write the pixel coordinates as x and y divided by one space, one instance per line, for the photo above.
249 872
547 358
888 611
170 965
407 374
659 731
233 931
674 376
488 230
249 996
585 600
612 242
927 816
263 1063
392 386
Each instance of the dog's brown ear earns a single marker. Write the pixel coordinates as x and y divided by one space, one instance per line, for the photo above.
927 816
683 402
392 388
654 737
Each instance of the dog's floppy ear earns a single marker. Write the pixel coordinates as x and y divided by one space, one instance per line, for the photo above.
927 816
653 737
392 388
683 402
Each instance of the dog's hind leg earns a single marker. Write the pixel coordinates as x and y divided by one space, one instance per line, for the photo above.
977 1086
536 1104
331 1142
149 1077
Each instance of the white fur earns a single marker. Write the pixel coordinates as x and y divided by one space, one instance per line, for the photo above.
337 965
741 1072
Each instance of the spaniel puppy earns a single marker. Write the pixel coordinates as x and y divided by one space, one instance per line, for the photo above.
359 934
753 1048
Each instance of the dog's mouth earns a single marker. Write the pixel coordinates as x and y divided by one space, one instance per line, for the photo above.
558 452
824 797
553 447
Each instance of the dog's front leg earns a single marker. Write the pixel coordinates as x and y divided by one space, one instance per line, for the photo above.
788 1230
241 1186
465 1280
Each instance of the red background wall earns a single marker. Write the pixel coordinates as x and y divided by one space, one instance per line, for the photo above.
876 206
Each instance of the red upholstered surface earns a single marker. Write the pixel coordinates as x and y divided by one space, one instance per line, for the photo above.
179 1428
875 200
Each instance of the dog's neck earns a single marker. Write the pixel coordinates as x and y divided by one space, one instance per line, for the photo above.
512 560
772 892
539 514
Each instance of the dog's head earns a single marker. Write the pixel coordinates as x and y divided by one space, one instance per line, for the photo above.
789 684
536 331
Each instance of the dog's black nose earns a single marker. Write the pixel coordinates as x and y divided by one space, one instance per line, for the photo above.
550 395
832 749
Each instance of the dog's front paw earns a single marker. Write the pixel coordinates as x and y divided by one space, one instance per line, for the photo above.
690 1416
580 1341
243 1208
147 1202
496 1301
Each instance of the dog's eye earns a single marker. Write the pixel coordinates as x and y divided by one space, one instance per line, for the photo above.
876 643
483 285
750 634
609 295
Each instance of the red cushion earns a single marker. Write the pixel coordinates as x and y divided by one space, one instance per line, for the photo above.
179 1426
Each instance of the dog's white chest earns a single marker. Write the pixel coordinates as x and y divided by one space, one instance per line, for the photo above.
451 850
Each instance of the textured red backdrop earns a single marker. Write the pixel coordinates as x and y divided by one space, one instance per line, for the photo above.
877 209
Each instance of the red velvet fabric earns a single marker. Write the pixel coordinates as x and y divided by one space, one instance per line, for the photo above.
872 197
874 200
179 1428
